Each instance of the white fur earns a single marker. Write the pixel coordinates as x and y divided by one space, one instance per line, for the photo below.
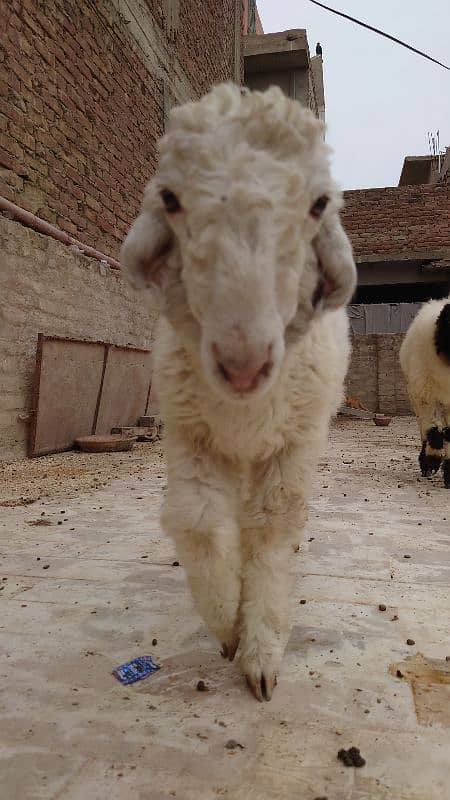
427 374
238 267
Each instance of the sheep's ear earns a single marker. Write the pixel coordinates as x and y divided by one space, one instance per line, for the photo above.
147 245
336 263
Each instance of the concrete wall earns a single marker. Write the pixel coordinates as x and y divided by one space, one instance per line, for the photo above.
294 83
282 59
47 288
86 87
317 92
375 375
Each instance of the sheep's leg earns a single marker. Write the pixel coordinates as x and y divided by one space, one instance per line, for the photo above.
199 514
272 529
431 426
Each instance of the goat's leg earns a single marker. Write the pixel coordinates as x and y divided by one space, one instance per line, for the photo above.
199 513
431 426
275 517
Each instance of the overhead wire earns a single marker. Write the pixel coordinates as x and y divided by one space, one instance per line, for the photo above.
380 33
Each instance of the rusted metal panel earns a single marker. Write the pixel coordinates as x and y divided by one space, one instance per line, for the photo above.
67 383
125 390
84 388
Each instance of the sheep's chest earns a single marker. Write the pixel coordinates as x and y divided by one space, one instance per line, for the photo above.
252 432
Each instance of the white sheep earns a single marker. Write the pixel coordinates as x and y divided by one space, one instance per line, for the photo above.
240 230
425 361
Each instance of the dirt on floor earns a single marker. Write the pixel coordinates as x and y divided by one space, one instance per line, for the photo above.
64 474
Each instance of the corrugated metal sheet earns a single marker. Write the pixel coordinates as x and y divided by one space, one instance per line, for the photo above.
382 317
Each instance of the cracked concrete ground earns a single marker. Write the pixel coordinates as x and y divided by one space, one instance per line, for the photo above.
80 597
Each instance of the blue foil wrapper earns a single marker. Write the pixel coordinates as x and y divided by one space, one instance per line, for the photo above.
135 670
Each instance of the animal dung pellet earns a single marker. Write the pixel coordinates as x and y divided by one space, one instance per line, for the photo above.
232 744
410 642
202 687
382 607
351 757
175 563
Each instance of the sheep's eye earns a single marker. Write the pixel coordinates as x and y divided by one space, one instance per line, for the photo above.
170 201
319 206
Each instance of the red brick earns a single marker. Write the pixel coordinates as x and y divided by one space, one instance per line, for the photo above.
19 134
11 146
66 225
397 219
84 110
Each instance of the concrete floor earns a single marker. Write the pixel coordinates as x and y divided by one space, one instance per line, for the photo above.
82 597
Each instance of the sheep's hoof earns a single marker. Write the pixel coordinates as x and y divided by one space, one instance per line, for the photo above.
262 686
429 465
229 649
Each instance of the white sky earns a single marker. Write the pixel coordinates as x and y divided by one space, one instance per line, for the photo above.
380 99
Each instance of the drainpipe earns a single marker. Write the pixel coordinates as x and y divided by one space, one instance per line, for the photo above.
41 226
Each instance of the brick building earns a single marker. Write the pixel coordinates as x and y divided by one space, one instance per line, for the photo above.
85 91
401 240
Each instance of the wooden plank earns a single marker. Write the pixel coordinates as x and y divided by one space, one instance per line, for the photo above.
125 390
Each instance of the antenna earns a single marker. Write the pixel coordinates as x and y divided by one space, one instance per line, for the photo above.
434 146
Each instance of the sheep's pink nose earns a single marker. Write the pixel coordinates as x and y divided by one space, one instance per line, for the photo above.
245 377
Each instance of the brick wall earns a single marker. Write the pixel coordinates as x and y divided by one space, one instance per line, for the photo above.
399 220
85 90
47 288
375 375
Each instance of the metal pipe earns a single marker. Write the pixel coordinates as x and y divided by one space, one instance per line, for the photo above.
41 226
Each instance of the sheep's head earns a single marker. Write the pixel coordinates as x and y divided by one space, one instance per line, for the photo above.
240 229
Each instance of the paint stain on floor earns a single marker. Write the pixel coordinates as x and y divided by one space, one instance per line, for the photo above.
430 685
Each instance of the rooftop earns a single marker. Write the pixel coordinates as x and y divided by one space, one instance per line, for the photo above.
276 51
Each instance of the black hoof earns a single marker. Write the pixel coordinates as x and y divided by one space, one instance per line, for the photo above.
429 465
